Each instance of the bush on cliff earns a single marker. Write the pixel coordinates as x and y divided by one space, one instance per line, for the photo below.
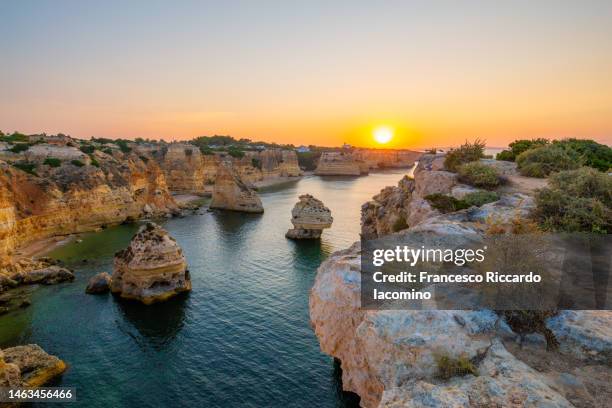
14 137
589 152
77 163
53 162
467 152
87 149
449 367
479 175
27 167
479 198
19 147
235 152
445 203
576 201
519 146
542 161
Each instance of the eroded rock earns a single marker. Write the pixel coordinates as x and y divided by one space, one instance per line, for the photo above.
152 268
99 283
231 193
28 366
309 218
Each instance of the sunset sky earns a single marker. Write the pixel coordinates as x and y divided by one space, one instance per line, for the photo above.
310 72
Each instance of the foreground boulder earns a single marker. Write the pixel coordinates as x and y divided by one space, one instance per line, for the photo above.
28 366
152 268
231 193
99 283
309 217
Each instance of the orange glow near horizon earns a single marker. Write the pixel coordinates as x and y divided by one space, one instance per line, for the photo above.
313 74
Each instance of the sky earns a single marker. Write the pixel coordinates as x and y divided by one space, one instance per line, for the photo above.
310 72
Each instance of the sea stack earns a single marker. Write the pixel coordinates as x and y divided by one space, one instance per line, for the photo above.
152 268
231 193
309 217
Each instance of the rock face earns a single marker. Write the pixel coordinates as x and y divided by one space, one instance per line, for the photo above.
183 166
386 158
152 268
29 271
99 283
339 164
69 198
309 217
231 193
28 366
390 358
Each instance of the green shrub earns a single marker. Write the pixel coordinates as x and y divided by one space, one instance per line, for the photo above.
145 158
123 146
542 161
255 162
519 146
449 367
206 151
467 152
480 175
445 203
77 163
108 151
94 162
479 198
576 201
27 167
87 149
235 152
505 155
19 147
53 162
589 152
14 137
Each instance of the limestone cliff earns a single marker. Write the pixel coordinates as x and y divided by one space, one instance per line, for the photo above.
339 164
231 193
386 158
309 218
76 197
152 268
391 358
184 168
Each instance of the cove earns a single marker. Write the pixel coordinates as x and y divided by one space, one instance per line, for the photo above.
242 337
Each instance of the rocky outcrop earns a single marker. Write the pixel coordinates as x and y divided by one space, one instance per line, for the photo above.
99 283
152 268
339 164
392 358
67 199
29 271
28 366
309 218
184 168
231 193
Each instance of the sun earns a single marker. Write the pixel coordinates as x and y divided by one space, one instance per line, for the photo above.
383 134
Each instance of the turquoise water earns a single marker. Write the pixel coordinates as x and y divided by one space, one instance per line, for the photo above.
241 338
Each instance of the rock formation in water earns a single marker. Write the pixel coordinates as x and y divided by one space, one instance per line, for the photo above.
42 197
386 158
28 366
391 358
339 164
152 268
29 271
309 218
99 283
231 193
